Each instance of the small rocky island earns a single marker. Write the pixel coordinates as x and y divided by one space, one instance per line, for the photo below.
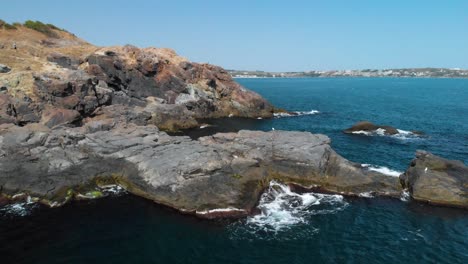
76 119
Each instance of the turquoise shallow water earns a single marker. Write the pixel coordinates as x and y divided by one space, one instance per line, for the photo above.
293 228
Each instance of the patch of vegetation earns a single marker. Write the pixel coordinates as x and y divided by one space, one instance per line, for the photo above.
236 176
7 26
47 29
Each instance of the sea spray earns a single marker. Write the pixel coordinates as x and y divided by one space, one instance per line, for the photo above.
296 113
382 169
282 209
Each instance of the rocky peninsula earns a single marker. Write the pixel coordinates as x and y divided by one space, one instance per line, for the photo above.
76 119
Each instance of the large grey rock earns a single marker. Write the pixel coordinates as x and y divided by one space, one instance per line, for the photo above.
196 176
436 180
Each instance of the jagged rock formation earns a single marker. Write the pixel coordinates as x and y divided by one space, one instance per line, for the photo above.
75 118
68 80
436 180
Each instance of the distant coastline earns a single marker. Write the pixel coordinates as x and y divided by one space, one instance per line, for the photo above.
405 72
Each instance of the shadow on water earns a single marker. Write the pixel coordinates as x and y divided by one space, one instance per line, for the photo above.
223 125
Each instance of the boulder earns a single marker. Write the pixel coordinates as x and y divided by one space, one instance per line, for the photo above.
63 60
171 117
4 68
52 117
436 180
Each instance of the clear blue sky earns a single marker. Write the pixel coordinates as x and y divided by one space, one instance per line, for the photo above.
271 35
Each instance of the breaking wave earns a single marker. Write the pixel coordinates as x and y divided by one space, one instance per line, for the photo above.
281 209
405 196
382 169
18 209
402 134
296 113
112 190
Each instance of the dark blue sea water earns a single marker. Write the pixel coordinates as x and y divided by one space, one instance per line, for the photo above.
294 228
437 107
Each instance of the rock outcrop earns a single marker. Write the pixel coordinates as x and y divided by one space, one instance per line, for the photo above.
436 180
63 74
195 176
76 119
368 128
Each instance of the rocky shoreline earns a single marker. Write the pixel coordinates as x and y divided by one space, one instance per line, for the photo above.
222 175
76 119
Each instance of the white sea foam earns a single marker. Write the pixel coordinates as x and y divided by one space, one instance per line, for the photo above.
112 189
380 131
296 113
366 195
382 169
362 132
220 210
405 195
402 134
282 209
18 209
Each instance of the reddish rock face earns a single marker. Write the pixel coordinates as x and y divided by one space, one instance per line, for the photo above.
77 76
55 116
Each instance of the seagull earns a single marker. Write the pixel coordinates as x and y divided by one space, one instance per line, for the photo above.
425 170
273 128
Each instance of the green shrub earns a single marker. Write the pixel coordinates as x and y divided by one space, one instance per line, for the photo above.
5 25
41 27
8 26
52 26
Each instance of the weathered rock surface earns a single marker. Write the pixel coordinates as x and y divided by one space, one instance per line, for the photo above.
65 72
75 118
436 180
220 171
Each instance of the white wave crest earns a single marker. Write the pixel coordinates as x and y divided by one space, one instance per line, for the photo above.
402 134
382 169
281 208
296 113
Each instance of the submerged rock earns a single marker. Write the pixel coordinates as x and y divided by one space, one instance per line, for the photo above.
368 127
436 180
